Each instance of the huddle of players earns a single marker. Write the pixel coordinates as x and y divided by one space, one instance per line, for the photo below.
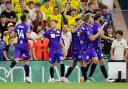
86 47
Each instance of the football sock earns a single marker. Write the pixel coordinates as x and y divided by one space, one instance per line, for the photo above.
26 68
62 69
93 67
52 72
103 70
13 63
84 72
70 69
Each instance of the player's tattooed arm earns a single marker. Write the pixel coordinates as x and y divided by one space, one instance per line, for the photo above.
63 48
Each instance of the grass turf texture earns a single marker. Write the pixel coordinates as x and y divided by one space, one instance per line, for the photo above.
63 86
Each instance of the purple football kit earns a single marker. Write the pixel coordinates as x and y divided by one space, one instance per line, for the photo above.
21 48
97 42
76 46
87 45
55 51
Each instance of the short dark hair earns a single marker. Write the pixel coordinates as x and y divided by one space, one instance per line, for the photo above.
46 0
37 4
65 23
86 17
30 2
72 10
119 32
97 16
8 2
54 21
77 19
90 4
23 18
83 0
25 12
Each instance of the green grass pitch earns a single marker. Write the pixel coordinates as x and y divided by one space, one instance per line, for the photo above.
63 86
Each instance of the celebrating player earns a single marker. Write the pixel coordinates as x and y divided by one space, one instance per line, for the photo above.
56 49
87 39
21 49
76 48
97 46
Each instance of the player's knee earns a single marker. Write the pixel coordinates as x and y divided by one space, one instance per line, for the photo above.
61 62
102 62
26 62
52 65
95 60
17 60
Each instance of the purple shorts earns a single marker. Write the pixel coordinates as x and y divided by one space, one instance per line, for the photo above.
19 53
76 55
89 54
99 53
56 54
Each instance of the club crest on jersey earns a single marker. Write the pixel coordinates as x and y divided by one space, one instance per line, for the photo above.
58 31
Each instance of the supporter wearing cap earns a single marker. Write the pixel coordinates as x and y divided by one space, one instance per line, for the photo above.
9 33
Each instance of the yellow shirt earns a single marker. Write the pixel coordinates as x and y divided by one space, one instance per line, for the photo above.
75 3
62 5
52 3
5 38
71 21
14 2
47 11
58 18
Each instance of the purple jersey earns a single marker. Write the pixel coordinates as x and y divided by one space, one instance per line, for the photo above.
76 40
97 42
84 40
54 37
88 49
21 48
21 30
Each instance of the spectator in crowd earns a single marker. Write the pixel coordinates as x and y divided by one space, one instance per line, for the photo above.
83 6
2 47
3 24
56 16
67 5
94 1
20 10
71 18
40 47
91 8
108 42
119 46
9 33
9 50
9 13
39 22
46 9
31 7
62 4
37 9
67 39
107 16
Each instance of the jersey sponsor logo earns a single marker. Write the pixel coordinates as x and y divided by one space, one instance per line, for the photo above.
52 35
